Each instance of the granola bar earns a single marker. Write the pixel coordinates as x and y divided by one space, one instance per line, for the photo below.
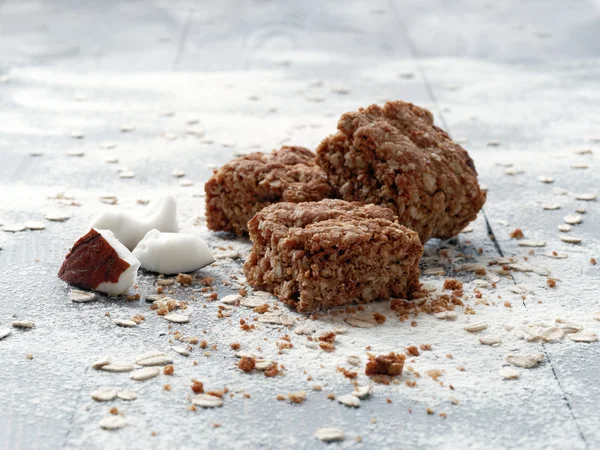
320 254
247 184
396 157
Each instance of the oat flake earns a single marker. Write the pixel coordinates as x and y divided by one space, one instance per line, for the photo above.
127 395
476 327
126 323
112 422
526 361
207 401
583 337
349 400
177 318
104 395
571 239
490 340
144 374
360 323
531 243
329 434
78 296
23 324
508 373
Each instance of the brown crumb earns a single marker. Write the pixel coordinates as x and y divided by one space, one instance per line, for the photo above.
412 350
216 425
327 337
425 347
114 411
379 318
326 346
317 387
430 411
551 282
297 397
167 387
203 344
207 281
434 373
347 373
391 364
197 387
169 369
517 233
184 279
331 396
246 395
593 261
261 309
280 397
235 345
272 370
410 383
247 363
452 285
29 356
132 298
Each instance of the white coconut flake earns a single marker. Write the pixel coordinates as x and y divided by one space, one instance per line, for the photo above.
131 228
128 277
172 253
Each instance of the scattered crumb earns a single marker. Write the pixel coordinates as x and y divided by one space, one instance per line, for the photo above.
247 364
297 397
169 369
517 233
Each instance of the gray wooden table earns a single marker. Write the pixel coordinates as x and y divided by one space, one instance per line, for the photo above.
198 82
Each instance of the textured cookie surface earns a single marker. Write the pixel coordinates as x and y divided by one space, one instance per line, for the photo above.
396 157
320 254
247 184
